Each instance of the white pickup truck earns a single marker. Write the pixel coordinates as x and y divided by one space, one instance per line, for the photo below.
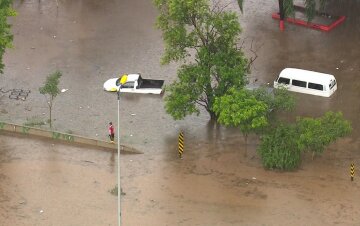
134 83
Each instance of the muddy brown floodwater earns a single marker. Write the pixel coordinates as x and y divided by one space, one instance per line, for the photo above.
47 183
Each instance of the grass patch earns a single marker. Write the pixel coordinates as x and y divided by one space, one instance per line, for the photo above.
34 122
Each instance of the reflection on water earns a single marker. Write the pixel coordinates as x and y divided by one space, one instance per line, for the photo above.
112 162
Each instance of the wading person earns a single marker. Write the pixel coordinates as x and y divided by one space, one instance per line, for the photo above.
111 132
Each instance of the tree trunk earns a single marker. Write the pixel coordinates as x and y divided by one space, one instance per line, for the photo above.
50 116
246 141
213 116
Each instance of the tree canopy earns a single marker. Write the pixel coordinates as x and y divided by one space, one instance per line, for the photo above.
252 110
6 37
203 37
316 134
277 100
241 109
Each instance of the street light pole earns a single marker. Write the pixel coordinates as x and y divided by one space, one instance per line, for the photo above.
118 147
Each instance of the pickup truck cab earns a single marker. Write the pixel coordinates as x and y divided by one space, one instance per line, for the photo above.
134 83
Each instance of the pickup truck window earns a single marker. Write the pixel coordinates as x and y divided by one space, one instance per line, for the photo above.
128 85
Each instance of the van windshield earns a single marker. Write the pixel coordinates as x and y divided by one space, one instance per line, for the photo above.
332 84
285 81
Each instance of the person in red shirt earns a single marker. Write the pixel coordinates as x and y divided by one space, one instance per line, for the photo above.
111 132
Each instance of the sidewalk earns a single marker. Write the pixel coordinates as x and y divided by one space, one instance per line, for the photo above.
63 137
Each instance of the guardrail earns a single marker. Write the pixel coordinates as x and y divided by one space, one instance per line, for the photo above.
69 138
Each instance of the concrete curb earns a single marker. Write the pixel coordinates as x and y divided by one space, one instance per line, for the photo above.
68 138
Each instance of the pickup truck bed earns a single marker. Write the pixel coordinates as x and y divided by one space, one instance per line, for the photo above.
150 83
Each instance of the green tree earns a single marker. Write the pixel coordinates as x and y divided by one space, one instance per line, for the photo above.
6 37
317 134
203 36
241 109
50 90
282 146
277 99
252 110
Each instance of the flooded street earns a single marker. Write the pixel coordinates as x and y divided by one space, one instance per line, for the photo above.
41 185
92 41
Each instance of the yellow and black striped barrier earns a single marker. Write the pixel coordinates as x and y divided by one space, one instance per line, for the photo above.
352 171
181 144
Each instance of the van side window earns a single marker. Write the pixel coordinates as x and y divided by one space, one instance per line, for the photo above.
285 81
298 83
315 86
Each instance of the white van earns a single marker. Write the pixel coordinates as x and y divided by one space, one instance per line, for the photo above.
304 81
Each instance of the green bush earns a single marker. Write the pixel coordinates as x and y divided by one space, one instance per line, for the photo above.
316 134
282 146
279 148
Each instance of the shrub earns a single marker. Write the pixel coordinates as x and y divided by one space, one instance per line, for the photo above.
279 148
